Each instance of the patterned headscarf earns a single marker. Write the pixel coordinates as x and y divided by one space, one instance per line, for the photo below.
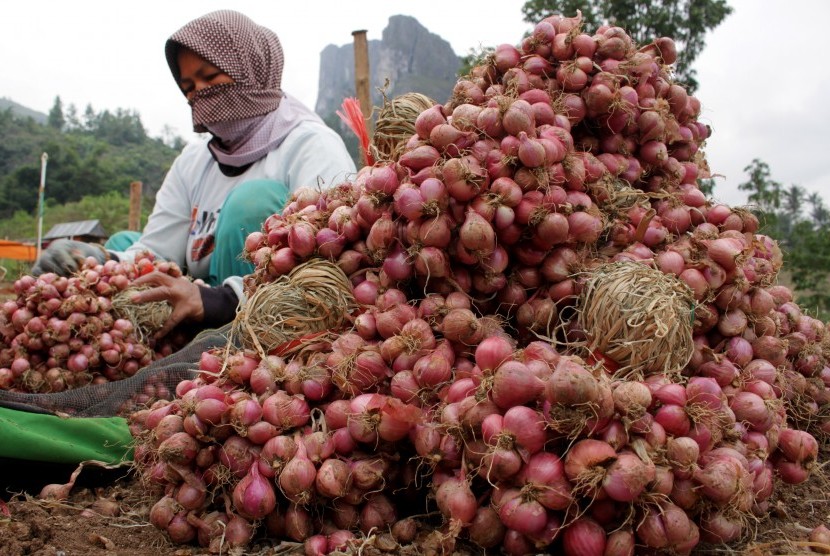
249 53
242 116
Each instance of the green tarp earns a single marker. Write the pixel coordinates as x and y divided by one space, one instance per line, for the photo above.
48 438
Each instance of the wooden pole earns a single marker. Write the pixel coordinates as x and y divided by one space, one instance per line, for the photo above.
361 75
134 223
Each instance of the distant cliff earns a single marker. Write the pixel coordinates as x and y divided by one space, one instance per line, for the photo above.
20 110
408 55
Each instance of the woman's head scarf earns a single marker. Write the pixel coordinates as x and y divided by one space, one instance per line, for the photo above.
242 116
249 53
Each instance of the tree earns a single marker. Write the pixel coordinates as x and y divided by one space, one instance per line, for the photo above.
172 139
685 21
56 119
707 186
764 192
818 211
794 200
808 260
72 121
90 118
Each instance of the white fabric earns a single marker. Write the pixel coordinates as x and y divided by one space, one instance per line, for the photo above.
188 203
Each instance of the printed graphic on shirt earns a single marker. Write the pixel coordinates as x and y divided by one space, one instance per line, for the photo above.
202 225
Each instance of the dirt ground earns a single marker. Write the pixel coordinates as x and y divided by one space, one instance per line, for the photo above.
29 526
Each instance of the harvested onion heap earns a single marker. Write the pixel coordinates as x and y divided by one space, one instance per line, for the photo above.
554 158
60 333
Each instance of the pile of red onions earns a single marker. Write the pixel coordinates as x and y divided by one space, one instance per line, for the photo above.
60 333
467 255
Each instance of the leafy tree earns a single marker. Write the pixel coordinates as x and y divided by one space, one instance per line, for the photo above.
818 211
764 192
56 119
686 21
707 186
792 202
90 118
808 261
119 128
170 138
72 121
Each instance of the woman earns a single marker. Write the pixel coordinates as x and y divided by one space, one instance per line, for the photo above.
263 145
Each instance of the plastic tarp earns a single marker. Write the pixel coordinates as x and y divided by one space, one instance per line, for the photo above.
49 438
17 251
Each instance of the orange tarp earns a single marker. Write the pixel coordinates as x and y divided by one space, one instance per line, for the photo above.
17 251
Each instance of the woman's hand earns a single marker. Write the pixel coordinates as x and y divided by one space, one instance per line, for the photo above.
180 292
65 256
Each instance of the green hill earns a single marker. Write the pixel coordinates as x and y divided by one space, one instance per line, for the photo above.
98 154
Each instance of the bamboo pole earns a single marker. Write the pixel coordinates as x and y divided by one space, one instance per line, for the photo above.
361 75
41 188
134 222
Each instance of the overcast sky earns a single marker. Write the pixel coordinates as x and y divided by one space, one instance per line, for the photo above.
763 76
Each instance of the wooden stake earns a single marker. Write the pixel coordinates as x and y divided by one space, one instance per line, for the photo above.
134 222
361 75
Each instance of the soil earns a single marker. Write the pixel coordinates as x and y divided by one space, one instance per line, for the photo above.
73 527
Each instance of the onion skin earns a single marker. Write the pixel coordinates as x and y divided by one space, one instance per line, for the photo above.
456 500
584 537
254 496
486 529
798 446
627 477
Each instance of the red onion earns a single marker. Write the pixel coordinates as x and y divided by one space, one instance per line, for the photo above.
667 526
751 408
298 476
797 446
253 496
333 479
523 515
584 537
721 479
515 384
456 500
486 529
527 427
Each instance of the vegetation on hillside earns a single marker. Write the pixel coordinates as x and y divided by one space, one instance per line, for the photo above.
89 155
